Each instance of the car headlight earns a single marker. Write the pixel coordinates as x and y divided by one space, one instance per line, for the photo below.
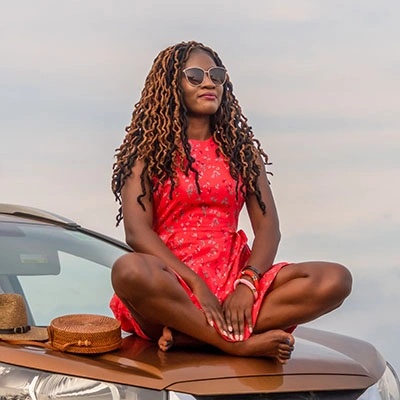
17 383
387 388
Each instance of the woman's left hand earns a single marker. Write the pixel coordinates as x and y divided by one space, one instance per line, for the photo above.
237 309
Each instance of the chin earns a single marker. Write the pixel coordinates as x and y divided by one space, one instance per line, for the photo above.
202 113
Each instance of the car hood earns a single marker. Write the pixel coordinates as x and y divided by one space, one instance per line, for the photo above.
339 362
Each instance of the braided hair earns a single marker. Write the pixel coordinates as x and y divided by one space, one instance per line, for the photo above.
157 135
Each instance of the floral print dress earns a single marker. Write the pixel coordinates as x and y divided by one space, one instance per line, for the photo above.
201 229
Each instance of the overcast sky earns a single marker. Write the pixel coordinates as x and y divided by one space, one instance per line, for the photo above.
318 80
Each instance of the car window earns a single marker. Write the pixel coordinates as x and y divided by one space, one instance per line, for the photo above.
59 271
82 286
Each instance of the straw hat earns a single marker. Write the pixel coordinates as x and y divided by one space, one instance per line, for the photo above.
14 320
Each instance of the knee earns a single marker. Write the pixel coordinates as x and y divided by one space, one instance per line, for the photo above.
339 281
126 272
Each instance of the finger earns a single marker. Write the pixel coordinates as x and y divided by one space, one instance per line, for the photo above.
209 317
241 329
218 319
228 320
236 323
242 324
222 324
249 319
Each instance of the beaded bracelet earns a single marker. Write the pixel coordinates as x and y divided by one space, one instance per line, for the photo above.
248 284
254 269
254 277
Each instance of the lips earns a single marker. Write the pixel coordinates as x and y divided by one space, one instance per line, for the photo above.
209 96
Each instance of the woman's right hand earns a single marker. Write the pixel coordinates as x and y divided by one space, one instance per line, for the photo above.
211 307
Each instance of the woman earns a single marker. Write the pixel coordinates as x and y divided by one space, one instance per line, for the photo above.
188 164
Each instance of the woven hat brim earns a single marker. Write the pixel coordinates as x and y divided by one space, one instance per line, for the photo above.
35 333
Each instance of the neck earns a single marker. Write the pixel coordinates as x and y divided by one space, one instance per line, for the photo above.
199 128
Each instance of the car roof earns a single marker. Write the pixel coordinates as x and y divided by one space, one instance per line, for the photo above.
35 214
31 215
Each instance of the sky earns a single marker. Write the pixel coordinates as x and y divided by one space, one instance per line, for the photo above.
318 81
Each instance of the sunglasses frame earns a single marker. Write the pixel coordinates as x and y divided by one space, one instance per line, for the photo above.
204 75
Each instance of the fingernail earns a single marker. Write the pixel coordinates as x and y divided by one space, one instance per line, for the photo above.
237 337
288 341
225 333
241 337
211 323
230 329
250 329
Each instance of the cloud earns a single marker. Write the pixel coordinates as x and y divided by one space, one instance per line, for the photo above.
276 10
318 81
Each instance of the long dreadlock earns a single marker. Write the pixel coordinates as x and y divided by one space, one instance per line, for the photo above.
157 134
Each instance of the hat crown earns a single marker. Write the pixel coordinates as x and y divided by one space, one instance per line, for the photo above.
12 311
14 320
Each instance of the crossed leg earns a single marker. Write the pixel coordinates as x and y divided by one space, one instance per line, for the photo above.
303 292
156 300
300 293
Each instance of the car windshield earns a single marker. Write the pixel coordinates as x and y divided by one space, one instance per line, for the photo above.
59 271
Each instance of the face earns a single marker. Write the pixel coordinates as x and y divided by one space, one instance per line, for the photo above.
203 100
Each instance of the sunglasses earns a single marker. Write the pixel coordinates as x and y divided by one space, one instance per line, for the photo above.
196 75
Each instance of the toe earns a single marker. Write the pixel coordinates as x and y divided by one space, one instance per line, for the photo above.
165 342
167 334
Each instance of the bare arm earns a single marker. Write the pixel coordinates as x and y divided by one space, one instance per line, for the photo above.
238 306
265 226
142 238
138 224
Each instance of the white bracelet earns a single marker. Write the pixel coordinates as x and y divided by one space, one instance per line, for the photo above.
248 284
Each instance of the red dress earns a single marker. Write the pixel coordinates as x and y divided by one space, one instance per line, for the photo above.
201 230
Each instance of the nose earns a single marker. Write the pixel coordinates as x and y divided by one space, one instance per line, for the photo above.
207 80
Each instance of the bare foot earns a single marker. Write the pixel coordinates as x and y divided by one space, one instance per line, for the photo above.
166 340
174 338
276 344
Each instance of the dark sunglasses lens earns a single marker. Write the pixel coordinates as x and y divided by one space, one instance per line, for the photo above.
195 76
218 75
